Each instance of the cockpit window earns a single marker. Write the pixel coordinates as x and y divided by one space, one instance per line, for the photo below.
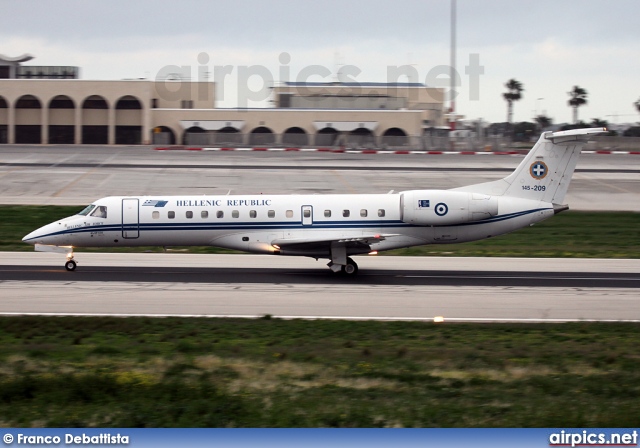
100 212
86 210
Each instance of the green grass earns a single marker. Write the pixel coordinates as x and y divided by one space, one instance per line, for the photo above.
190 372
569 234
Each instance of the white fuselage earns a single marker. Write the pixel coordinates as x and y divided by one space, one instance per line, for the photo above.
258 223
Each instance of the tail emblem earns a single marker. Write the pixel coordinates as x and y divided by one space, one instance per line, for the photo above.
538 170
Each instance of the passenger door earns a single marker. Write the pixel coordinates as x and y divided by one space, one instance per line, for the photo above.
130 218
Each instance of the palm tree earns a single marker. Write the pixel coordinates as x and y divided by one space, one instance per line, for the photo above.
598 123
543 122
637 104
578 98
514 94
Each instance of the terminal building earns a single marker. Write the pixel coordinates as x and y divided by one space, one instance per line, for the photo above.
51 105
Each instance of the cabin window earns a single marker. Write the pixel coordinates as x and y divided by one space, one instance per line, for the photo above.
327 213
253 214
271 213
171 215
289 213
363 213
307 213
189 214
155 215
381 213
204 214
346 213
219 214
235 214
100 212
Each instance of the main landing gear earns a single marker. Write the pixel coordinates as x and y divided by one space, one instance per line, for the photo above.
350 269
339 260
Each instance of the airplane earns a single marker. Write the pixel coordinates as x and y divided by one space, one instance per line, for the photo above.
334 226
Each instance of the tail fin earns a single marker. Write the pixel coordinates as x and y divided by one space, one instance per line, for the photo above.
545 172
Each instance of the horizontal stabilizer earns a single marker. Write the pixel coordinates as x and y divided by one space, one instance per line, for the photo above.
573 135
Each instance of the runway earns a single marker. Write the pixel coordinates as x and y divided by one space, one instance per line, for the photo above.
390 288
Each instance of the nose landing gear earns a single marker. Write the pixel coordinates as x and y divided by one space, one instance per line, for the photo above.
70 265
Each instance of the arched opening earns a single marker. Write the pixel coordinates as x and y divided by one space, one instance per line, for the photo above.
194 135
394 137
28 120
128 121
327 137
262 136
394 132
295 136
4 121
360 137
163 135
95 121
228 136
62 120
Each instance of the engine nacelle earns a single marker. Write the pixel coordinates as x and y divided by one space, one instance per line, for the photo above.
443 207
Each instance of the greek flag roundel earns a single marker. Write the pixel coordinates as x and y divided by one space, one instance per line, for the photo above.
538 170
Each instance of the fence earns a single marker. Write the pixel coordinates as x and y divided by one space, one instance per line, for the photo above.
426 142
332 140
606 143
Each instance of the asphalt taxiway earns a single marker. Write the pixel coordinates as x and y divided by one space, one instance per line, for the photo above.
395 288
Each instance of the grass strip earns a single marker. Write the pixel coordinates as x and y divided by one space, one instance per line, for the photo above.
569 234
196 372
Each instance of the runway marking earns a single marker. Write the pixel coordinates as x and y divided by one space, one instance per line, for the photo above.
354 318
72 183
343 182
614 187
513 277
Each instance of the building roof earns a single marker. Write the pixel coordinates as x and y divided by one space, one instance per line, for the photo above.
354 84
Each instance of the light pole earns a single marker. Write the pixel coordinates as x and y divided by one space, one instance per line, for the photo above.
452 93
539 99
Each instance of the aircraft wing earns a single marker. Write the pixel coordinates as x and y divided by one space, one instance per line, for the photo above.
324 244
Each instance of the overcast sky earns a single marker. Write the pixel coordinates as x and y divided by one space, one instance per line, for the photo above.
548 45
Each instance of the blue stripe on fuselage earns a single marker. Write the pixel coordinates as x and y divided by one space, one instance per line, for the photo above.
321 225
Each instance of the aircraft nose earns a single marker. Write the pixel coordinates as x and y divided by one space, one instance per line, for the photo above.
43 235
31 237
